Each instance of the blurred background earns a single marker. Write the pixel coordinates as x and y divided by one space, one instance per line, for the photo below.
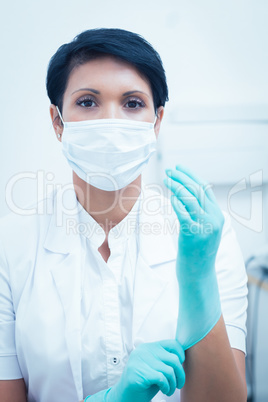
216 59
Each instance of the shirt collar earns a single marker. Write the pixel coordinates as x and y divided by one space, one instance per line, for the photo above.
91 229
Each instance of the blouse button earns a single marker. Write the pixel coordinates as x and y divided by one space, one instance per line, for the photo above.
115 360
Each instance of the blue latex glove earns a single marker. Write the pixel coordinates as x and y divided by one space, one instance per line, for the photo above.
151 367
201 223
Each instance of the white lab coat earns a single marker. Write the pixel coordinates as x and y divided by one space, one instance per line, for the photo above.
40 274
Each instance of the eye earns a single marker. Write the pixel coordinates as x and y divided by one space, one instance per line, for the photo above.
134 103
86 102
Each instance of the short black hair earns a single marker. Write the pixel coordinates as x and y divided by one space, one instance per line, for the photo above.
93 43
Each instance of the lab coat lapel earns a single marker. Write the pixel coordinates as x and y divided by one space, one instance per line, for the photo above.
67 279
152 275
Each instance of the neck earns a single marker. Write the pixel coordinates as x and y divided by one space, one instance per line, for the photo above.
108 208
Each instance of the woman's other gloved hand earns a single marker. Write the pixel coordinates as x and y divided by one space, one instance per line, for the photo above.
201 223
152 367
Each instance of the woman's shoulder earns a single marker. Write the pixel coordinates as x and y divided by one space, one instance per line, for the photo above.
23 226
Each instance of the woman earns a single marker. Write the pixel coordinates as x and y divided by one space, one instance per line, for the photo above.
99 300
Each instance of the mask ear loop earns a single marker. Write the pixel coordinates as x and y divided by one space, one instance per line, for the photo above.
60 114
155 119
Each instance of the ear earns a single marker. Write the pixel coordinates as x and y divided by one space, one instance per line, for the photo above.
160 115
56 121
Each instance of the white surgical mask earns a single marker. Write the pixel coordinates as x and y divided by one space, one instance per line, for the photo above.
108 153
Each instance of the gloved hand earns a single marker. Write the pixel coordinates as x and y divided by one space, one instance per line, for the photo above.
201 222
152 367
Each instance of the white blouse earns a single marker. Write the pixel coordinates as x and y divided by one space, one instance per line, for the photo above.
107 300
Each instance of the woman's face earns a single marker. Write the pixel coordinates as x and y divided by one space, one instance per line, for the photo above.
107 88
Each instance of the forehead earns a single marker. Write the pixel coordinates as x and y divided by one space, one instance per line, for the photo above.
107 71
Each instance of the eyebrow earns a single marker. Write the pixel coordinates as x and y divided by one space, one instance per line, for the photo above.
87 89
133 92
98 92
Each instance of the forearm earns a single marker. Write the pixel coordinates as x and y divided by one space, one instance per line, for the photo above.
211 370
13 390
